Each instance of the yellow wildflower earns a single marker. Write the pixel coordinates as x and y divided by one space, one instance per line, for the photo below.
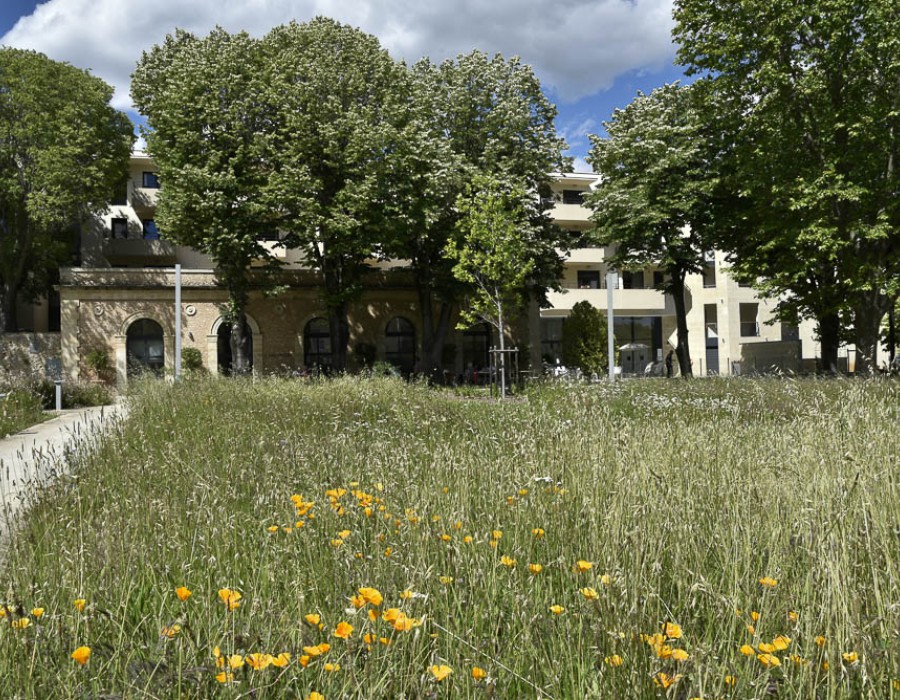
664 680
440 672
21 624
781 642
183 593
225 677
768 582
79 604
230 598
589 593
37 612
313 618
535 569
768 660
582 566
81 655
170 631
614 660
538 532
557 609
507 561
332 668
820 641
282 660
478 674
747 650
343 630
372 596
258 662
850 657
672 630
680 655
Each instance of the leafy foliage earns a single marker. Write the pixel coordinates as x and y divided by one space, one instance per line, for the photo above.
653 199
584 339
805 97
63 153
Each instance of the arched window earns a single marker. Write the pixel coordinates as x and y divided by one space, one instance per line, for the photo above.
144 348
317 344
400 344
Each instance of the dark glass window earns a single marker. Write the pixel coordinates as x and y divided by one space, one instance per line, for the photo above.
121 195
151 233
476 344
400 344
317 344
632 279
589 279
150 180
119 228
144 347
573 197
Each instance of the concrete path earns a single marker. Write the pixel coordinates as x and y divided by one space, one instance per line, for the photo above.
38 453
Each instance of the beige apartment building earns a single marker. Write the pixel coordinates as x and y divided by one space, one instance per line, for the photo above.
120 303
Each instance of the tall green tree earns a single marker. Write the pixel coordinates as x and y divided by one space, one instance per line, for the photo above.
652 202
806 96
206 131
341 104
63 154
492 250
480 116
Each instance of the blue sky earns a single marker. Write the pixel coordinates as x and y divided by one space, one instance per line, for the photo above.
592 56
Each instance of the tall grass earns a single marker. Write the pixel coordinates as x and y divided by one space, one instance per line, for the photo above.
680 496
19 409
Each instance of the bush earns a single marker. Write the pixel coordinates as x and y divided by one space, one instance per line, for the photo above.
74 394
192 360
584 341
98 361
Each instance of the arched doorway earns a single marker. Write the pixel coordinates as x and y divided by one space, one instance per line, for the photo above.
144 349
400 344
223 348
317 355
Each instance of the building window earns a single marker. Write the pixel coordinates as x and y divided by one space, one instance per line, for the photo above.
589 279
151 233
551 340
119 228
749 322
789 331
144 348
400 344
659 279
476 345
317 344
709 274
120 197
573 197
633 279
150 180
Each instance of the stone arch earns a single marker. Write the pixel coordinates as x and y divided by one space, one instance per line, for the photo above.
120 342
256 343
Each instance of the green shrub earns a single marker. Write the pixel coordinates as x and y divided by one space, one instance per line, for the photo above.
584 341
192 360
98 360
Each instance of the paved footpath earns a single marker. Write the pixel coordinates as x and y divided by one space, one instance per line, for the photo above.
38 453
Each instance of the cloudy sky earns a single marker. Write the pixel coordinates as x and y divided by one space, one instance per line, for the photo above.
591 55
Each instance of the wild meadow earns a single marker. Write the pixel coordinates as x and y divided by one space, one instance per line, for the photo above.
373 539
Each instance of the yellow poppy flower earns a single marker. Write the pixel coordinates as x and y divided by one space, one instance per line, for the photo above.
664 680
754 616
79 604
282 660
371 596
446 580
769 660
230 598
332 668
21 624
768 582
820 641
235 661
781 642
766 648
672 630
315 696
747 650
535 569
590 593
614 660
258 662
793 615
170 631
272 528
82 655
37 612
304 660
225 677
507 561
183 593
538 532
446 538
406 595
313 618
680 655
496 534
357 601
467 539
440 672
478 674
850 657
730 680
557 609
343 630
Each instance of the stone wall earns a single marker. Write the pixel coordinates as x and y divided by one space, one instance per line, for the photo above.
29 355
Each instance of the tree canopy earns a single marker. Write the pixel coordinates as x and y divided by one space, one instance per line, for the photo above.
63 154
584 339
656 181
806 98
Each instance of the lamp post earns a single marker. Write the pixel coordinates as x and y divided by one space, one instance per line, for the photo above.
177 322
611 280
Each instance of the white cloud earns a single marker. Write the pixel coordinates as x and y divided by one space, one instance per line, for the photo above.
577 47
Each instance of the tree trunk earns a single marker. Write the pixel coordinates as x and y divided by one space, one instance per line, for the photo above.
240 362
502 363
8 309
340 335
829 341
682 351
434 334
868 310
